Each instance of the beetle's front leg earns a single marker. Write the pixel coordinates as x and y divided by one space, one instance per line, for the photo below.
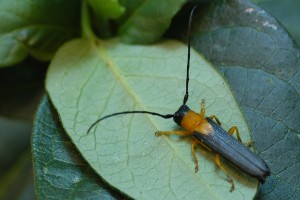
180 133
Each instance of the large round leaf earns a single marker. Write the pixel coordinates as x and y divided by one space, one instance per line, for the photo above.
89 80
260 60
60 171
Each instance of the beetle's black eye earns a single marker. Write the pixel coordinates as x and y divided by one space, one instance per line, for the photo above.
180 113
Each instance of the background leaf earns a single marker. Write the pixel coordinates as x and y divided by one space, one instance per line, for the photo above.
284 146
21 88
98 79
17 178
103 12
110 9
35 27
145 21
16 133
58 166
261 63
287 12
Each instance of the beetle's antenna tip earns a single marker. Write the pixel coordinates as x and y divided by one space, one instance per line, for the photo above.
129 112
186 96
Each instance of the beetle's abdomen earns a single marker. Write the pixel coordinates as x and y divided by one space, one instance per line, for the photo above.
234 151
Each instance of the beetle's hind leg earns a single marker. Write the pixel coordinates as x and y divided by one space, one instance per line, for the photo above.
218 162
235 129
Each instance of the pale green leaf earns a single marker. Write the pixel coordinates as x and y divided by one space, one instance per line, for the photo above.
86 81
261 62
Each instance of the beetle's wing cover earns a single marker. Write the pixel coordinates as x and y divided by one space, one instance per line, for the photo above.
234 151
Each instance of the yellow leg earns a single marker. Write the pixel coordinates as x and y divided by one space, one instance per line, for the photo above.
180 133
249 144
218 162
216 119
194 144
202 111
183 133
231 131
234 128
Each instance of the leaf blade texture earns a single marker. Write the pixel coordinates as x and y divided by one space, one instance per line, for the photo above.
35 28
59 169
260 60
145 21
89 80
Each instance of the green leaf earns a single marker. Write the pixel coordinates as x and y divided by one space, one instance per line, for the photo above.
60 171
106 9
102 12
37 28
86 81
261 63
287 12
145 21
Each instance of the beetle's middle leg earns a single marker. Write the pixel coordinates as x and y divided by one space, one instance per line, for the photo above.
235 129
218 162
216 119
232 130
195 143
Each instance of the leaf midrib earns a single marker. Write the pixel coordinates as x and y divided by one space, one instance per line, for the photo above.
104 54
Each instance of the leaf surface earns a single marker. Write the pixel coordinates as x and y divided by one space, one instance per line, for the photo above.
37 28
261 63
145 21
106 9
103 11
287 12
60 171
88 80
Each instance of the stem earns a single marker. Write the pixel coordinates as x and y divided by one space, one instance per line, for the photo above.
86 30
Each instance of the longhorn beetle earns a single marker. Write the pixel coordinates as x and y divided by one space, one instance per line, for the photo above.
208 132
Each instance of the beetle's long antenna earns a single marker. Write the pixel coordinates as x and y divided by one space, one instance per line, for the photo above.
186 96
129 112
186 89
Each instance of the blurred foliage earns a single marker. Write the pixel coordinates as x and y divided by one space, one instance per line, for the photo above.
21 86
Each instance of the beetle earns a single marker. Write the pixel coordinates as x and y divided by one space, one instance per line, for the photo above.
207 131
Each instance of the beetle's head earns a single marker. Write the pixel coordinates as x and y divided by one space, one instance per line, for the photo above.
180 113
